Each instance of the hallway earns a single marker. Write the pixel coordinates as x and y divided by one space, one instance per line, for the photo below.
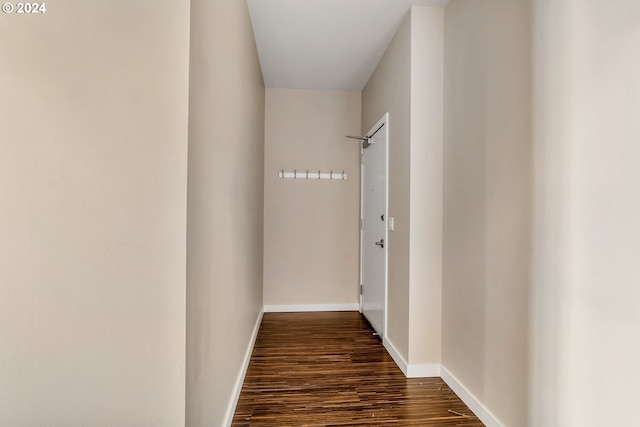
327 369
146 230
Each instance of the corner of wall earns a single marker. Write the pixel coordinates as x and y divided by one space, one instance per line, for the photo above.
237 388
475 404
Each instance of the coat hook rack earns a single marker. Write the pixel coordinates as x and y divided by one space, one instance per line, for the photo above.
331 175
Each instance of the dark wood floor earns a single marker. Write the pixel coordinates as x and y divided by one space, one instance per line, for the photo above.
327 369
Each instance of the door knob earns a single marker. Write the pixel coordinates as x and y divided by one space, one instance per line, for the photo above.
380 243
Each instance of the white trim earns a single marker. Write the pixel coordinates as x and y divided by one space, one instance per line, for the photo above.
295 308
386 224
360 225
395 355
410 371
231 409
470 400
423 371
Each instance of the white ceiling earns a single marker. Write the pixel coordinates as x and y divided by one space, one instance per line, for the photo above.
325 44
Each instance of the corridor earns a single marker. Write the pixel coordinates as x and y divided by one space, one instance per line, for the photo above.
328 369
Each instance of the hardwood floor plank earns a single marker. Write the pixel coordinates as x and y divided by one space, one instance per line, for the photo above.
327 369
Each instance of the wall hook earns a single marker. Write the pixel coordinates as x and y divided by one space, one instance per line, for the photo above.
341 176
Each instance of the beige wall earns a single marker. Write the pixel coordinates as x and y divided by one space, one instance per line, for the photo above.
587 205
225 205
408 84
425 240
311 238
93 164
487 202
389 90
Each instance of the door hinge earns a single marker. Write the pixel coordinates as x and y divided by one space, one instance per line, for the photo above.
361 224
361 289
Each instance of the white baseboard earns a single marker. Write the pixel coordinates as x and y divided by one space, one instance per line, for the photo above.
231 409
410 371
423 371
294 308
470 400
395 355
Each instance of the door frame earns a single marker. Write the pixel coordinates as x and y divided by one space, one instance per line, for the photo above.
384 120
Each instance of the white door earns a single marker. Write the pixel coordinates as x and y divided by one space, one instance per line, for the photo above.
373 233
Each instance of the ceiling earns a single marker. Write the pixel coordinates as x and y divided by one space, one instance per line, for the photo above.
325 44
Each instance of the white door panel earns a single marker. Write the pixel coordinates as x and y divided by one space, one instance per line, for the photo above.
373 236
